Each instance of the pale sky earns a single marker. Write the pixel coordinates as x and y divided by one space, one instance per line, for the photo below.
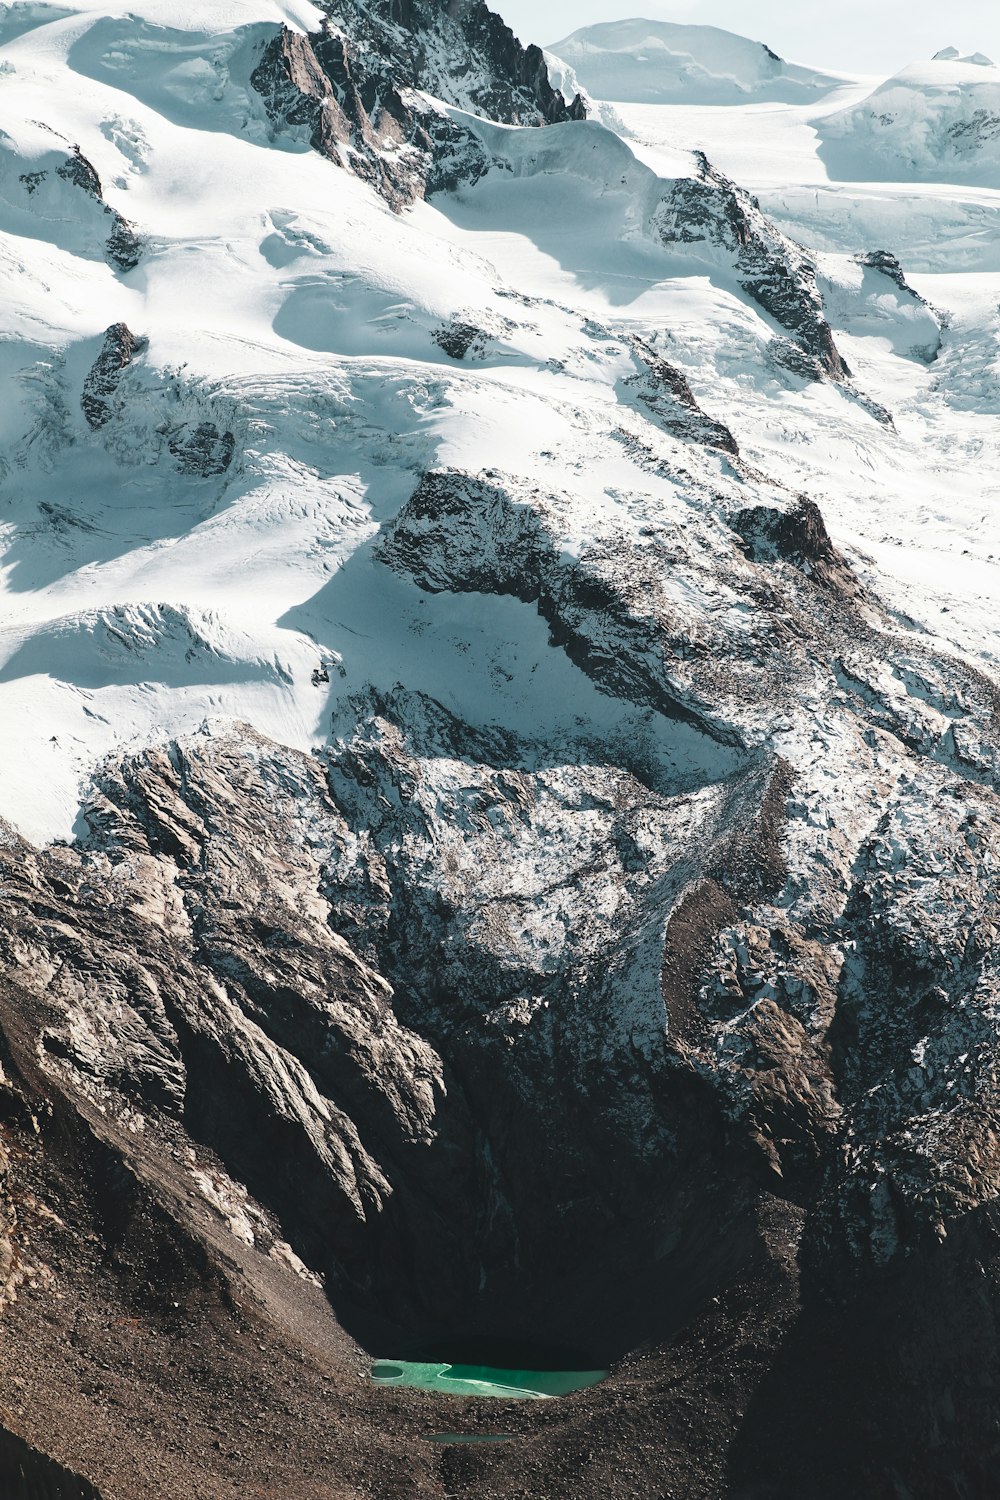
860 36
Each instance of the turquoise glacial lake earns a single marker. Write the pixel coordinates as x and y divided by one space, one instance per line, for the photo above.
483 1380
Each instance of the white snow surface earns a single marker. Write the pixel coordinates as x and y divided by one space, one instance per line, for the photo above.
660 62
284 302
937 121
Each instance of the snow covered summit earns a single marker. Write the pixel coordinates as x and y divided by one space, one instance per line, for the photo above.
951 54
938 121
658 62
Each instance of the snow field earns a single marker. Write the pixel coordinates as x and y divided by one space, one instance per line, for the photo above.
283 301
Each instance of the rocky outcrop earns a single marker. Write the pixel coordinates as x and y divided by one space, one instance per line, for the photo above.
784 355
143 414
886 264
121 347
664 390
464 54
62 196
460 340
353 86
310 83
487 534
710 210
124 247
798 536
202 450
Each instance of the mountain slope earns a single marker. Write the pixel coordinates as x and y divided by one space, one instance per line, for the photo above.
934 122
499 830
660 62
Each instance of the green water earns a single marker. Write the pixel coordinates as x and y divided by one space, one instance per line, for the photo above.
483 1380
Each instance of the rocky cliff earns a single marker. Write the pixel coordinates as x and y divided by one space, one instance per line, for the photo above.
524 1039
499 852
360 87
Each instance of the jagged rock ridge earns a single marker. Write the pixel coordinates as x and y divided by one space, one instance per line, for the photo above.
776 274
355 86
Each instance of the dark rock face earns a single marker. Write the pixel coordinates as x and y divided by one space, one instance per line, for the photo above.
462 53
307 995
353 86
119 383
665 391
797 536
81 174
124 248
784 355
460 340
777 274
200 449
124 244
121 347
316 89
888 264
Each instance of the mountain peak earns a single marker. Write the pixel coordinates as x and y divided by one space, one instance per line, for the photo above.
641 61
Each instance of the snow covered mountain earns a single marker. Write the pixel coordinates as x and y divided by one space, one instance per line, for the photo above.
937 121
498 758
661 62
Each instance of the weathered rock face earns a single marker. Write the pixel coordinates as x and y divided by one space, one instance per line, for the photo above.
386 987
665 391
799 536
214 1037
144 415
202 449
491 535
760 1018
888 264
653 1009
711 210
316 90
65 190
354 87
462 53
120 348
518 1039
124 248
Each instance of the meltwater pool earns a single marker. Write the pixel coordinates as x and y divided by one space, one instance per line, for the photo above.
483 1380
